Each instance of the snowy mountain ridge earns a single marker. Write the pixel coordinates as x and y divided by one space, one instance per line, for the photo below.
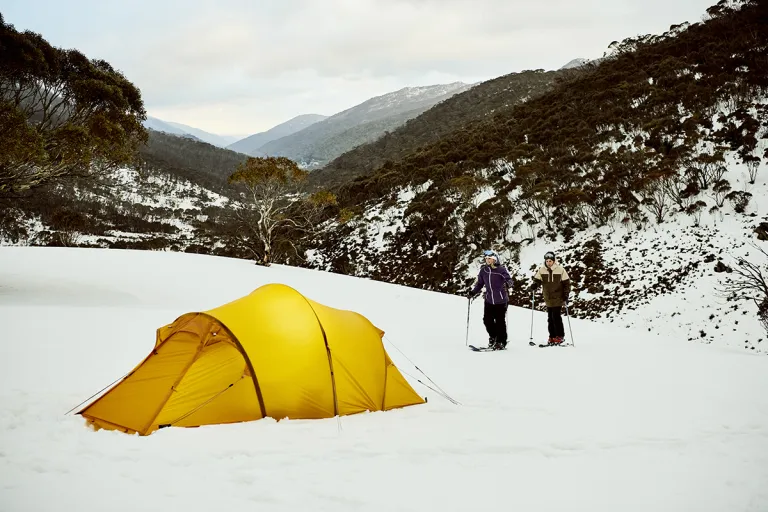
182 130
250 145
575 63
396 98
323 141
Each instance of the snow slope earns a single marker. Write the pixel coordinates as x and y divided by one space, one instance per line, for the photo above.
625 420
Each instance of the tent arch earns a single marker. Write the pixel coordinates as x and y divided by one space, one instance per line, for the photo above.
330 359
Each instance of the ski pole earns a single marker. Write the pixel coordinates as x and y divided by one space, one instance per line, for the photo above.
531 342
469 302
569 322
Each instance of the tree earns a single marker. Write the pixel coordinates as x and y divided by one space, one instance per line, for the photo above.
61 114
272 212
656 199
750 282
720 190
753 164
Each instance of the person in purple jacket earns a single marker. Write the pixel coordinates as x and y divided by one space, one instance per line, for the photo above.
496 279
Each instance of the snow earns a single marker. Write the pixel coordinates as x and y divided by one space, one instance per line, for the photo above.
162 197
625 420
409 94
696 309
637 261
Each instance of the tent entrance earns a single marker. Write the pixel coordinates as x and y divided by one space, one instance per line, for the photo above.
196 375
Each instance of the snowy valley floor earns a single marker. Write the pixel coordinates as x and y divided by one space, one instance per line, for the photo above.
624 421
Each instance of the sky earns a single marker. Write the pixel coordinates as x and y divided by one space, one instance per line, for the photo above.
238 67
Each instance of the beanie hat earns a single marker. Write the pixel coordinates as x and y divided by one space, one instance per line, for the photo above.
491 254
549 256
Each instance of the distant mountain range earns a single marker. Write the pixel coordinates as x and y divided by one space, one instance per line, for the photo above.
251 144
322 141
312 140
183 130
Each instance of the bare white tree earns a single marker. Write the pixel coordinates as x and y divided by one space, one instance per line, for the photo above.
750 282
271 209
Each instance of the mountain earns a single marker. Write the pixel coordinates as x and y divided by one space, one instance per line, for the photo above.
183 130
575 63
158 125
321 142
434 124
661 147
183 157
221 141
250 145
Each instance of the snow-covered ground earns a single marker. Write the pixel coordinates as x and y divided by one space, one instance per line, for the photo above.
625 420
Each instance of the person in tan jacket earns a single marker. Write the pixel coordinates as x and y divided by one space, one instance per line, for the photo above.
556 287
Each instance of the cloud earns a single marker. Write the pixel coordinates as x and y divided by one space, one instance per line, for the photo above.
238 66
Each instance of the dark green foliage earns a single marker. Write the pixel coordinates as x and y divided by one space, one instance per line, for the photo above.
61 114
436 124
199 162
740 200
561 134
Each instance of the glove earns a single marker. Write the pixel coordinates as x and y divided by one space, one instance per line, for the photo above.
471 294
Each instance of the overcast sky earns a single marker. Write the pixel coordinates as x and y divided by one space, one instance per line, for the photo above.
237 67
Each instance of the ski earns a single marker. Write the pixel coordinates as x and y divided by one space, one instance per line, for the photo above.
483 349
531 343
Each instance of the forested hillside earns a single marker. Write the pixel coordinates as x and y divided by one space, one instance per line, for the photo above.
647 136
202 163
314 145
448 116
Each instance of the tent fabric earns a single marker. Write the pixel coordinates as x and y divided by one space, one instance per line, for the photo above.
273 353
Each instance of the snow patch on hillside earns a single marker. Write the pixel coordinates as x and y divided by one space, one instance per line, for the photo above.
669 278
153 197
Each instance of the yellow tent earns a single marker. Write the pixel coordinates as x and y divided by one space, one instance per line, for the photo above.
271 353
